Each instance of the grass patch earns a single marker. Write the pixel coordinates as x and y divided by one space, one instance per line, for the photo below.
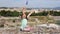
58 22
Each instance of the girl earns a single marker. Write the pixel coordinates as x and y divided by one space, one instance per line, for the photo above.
24 18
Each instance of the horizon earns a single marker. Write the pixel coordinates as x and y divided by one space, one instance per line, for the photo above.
28 7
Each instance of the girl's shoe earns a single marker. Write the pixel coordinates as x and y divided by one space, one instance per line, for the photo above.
21 30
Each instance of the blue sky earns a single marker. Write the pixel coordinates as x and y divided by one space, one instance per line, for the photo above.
31 3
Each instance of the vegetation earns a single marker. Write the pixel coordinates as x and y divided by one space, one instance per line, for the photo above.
16 13
9 13
57 22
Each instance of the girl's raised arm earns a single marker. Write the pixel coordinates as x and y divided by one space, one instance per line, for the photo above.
23 10
30 13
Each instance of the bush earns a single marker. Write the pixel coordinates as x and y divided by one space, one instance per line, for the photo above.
58 22
16 14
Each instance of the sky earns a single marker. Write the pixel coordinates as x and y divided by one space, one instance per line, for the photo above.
31 3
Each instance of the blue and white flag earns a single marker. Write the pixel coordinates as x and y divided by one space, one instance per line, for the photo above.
26 2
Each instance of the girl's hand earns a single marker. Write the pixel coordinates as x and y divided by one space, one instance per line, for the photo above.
32 11
23 10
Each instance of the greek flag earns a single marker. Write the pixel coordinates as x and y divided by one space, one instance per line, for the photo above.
26 2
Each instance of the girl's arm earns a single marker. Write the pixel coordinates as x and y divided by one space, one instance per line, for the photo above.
30 13
23 12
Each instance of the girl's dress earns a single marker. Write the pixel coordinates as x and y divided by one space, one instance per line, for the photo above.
24 23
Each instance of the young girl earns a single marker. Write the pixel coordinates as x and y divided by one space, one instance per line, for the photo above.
24 18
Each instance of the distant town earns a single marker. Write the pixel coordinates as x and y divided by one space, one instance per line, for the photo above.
37 10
